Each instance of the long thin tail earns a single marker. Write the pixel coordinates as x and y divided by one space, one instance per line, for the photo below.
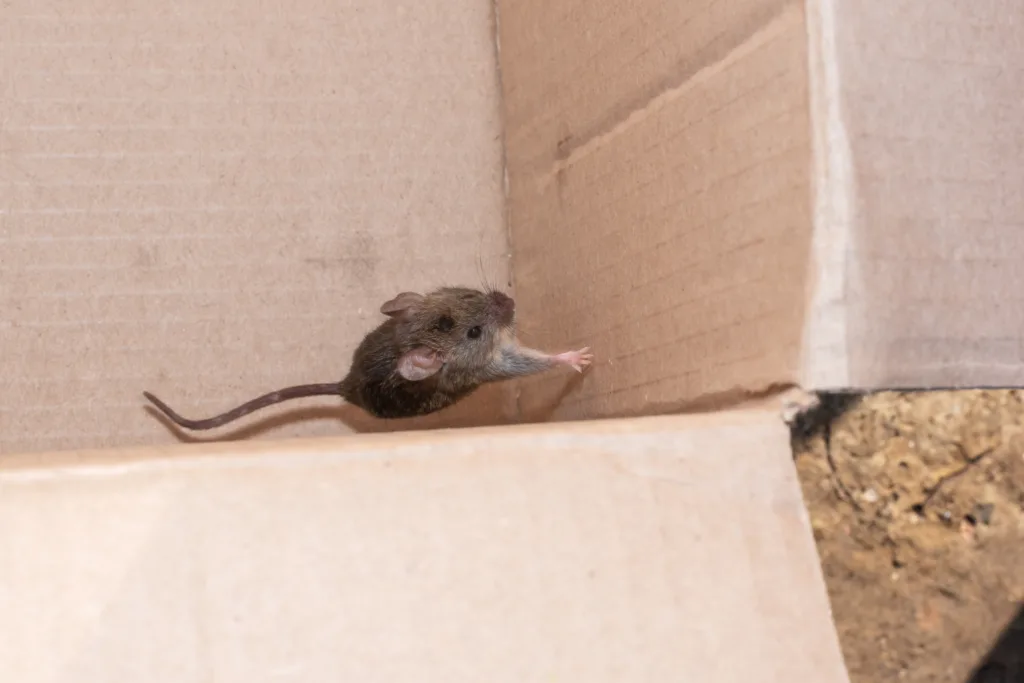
300 391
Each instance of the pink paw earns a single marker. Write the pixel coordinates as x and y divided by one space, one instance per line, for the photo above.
577 359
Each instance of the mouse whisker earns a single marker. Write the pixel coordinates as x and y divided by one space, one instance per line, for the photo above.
481 272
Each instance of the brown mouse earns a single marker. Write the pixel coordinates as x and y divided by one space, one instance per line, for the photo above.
432 351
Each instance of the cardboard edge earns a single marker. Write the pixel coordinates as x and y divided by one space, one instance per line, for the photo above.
359 445
825 356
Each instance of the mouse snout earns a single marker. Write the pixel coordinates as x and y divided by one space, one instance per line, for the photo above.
504 306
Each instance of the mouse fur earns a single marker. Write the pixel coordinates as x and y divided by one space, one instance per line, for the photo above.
433 350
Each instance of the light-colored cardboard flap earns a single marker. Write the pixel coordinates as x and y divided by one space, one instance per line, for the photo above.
658 549
919 132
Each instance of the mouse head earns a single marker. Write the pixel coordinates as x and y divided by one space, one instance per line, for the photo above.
453 327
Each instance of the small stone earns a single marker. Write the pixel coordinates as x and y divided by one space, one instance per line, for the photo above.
983 512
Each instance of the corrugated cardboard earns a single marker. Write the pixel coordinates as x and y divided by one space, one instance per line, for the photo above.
652 550
728 198
919 139
660 194
211 200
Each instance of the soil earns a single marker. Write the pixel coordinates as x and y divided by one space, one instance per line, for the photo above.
917 506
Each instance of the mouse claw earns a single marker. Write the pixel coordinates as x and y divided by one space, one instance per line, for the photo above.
577 359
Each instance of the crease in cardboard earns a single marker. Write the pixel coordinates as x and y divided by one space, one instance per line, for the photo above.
587 435
514 390
760 29
283 457
825 335
680 456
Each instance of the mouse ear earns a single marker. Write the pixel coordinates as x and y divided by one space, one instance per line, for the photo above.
419 364
401 303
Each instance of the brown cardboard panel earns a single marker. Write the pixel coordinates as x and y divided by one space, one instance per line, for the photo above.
920 122
652 549
659 168
210 200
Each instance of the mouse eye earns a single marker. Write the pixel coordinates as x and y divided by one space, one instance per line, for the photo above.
445 323
474 332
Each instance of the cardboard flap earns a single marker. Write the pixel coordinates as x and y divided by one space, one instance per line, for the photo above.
635 550
919 131
726 198
659 196
211 200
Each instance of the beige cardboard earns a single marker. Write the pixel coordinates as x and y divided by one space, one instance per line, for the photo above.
918 121
210 200
725 199
657 549
659 171
721 199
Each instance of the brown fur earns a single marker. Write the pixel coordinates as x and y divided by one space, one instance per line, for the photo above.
375 386
431 352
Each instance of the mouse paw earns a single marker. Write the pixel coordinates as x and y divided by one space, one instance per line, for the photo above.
577 359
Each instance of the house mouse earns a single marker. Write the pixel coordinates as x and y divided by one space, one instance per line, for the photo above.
432 351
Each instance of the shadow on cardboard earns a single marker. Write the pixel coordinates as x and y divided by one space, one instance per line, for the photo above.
488 406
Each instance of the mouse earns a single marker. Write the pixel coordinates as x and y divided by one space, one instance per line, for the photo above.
432 351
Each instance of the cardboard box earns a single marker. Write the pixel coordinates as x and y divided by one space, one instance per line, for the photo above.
724 200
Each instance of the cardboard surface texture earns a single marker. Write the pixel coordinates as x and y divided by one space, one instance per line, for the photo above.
212 200
919 129
631 550
721 199
660 188
726 198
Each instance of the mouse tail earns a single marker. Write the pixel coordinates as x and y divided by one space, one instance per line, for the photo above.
300 391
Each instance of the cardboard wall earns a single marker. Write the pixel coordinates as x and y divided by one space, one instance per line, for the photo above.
660 201
919 120
725 197
630 550
210 200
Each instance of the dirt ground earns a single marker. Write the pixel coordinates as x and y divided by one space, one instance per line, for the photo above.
917 504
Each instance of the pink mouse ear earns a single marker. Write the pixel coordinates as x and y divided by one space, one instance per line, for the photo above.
419 364
401 303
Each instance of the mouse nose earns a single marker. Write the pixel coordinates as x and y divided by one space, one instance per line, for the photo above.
504 306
